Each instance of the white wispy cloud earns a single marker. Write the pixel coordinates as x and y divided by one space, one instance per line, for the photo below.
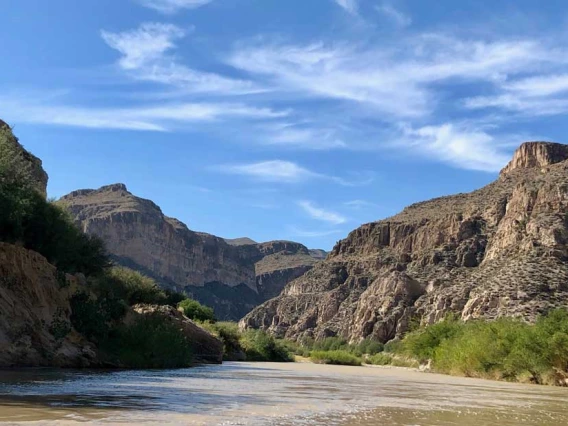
401 81
535 96
145 56
350 6
321 214
286 134
172 6
289 172
359 204
151 117
145 44
542 85
395 15
298 232
272 171
463 147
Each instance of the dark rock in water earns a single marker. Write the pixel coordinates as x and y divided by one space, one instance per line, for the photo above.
499 251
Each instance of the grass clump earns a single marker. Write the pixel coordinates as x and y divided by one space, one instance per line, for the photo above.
249 345
380 359
336 357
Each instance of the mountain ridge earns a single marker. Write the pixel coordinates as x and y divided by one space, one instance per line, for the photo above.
498 251
140 236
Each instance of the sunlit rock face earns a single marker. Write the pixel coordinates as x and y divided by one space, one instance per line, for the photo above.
498 251
232 276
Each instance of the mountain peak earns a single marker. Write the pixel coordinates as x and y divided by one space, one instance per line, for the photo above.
537 154
115 187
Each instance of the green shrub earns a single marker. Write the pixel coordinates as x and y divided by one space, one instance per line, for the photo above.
367 347
149 343
505 349
173 298
330 344
26 217
260 346
295 348
380 359
228 333
337 357
422 343
130 286
196 311
91 317
254 345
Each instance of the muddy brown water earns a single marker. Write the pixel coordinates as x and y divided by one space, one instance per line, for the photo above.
272 394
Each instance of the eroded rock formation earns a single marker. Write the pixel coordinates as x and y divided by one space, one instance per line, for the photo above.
498 251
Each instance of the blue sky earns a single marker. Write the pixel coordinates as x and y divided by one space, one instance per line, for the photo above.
276 119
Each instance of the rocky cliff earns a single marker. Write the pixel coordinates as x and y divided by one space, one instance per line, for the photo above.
498 251
35 328
36 170
233 277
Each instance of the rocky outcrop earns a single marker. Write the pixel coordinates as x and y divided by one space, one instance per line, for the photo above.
35 328
38 174
207 349
232 277
240 241
498 251
537 154
136 232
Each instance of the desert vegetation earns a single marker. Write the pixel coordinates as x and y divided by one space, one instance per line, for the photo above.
249 345
505 349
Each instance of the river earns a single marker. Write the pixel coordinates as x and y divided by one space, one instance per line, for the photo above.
272 394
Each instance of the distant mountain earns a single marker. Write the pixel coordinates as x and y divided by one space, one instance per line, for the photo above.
240 241
499 251
318 254
232 276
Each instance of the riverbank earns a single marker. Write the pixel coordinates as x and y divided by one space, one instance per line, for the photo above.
273 394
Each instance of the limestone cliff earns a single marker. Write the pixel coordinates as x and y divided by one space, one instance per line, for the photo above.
233 277
498 251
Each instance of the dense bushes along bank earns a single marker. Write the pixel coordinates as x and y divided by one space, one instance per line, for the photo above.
249 345
505 349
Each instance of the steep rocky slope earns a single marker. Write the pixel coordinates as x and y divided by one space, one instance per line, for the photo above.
498 251
35 165
35 328
233 277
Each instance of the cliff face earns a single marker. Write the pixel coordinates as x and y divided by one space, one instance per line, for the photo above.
217 273
35 329
136 231
499 251
38 174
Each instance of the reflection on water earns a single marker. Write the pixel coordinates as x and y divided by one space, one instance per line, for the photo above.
273 394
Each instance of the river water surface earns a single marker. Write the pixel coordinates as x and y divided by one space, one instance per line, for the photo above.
272 394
